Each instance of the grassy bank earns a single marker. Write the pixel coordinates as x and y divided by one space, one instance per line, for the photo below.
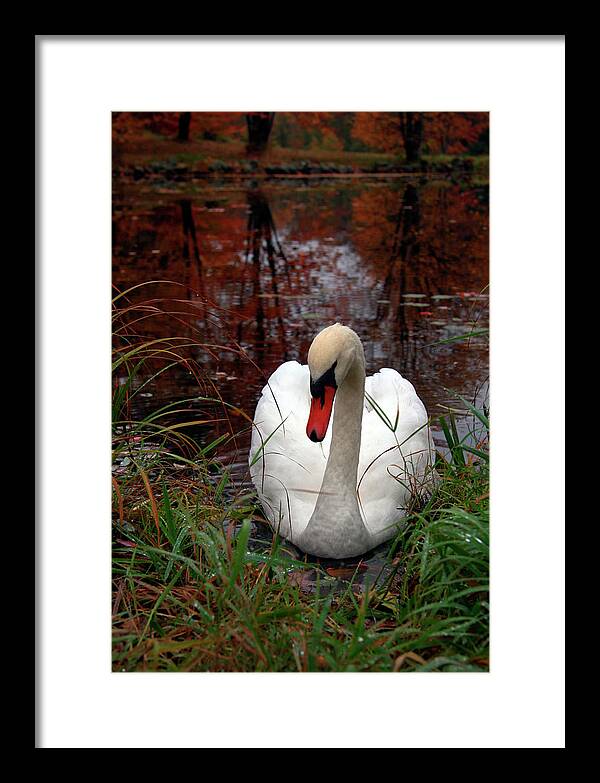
154 155
196 589
190 596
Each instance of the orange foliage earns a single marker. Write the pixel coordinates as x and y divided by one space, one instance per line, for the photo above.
446 132
208 125
453 132
380 130
321 122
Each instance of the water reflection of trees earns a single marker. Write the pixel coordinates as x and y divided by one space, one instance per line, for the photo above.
403 256
421 240
194 278
287 261
262 248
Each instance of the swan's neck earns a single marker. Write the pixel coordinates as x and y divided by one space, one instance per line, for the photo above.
342 466
335 528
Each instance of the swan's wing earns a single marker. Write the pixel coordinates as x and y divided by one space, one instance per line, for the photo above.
396 450
286 466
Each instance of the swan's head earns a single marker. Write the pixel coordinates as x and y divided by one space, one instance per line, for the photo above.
330 356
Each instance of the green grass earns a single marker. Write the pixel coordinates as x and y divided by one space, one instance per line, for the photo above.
195 588
228 156
155 147
190 595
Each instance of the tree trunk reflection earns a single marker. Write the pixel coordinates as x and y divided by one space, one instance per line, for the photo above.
194 277
263 246
403 257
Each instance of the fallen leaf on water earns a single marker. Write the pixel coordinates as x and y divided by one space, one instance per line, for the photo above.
346 572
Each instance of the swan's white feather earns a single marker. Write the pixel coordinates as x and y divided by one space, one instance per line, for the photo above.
288 467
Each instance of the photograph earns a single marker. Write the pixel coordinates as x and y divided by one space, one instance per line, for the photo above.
300 391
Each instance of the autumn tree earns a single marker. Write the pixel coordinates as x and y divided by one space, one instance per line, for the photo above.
321 124
416 132
210 125
411 128
392 131
259 126
454 132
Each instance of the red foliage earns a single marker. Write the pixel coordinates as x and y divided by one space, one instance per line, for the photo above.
207 125
446 132
433 132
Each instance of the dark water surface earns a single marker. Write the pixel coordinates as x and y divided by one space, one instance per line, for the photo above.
402 261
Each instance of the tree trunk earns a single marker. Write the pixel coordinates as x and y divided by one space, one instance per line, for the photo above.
259 129
185 118
411 126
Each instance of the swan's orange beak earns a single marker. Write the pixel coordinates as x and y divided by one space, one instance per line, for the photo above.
320 413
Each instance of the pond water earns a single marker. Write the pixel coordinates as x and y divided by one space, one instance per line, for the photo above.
403 261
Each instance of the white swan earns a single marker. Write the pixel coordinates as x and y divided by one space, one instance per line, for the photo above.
306 473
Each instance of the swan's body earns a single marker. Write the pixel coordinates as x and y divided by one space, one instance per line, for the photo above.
308 489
